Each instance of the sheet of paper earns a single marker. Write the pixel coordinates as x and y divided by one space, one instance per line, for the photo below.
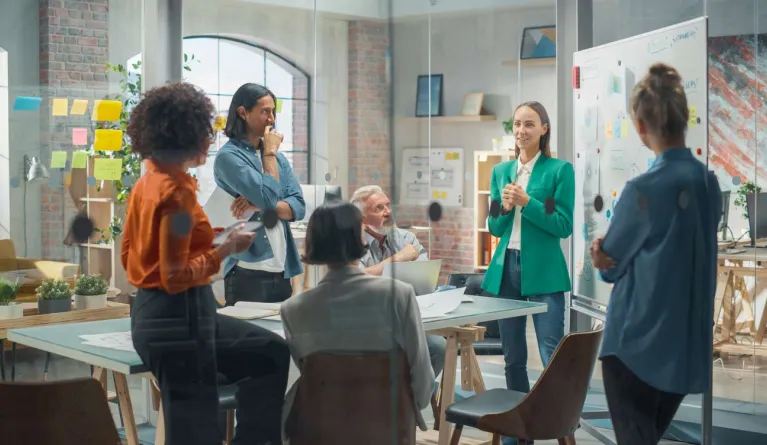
258 305
79 136
107 110
105 169
120 341
79 106
79 159
624 128
247 226
108 140
438 304
60 106
26 103
217 209
246 313
58 159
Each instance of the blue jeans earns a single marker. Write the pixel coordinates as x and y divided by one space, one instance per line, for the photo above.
549 328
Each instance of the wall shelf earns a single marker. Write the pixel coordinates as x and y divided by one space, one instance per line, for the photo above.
484 242
450 119
531 62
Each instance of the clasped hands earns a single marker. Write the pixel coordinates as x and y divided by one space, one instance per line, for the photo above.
599 258
513 194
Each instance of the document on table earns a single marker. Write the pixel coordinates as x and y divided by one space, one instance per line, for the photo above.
438 304
120 341
217 207
248 310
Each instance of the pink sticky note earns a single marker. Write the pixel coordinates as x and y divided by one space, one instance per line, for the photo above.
79 136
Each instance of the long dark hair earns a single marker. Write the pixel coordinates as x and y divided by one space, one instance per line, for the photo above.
246 96
545 142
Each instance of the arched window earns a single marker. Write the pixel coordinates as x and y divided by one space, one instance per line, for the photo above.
219 65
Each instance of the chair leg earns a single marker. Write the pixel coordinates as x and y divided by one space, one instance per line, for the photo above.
496 439
456 434
229 426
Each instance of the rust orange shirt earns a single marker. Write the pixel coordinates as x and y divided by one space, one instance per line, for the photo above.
167 239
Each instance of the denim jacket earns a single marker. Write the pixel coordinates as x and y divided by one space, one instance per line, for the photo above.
239 171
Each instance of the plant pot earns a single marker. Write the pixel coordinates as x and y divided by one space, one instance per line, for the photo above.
53 306
90 301
11 311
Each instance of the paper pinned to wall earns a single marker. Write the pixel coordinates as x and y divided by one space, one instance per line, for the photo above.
60 106
106 169
278 106
58 159
108 140
107 110
27 103
78 107
79 159
79 136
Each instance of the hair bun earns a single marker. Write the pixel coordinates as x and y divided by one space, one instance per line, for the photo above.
664 76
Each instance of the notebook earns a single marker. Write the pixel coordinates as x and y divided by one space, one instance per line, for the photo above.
248 310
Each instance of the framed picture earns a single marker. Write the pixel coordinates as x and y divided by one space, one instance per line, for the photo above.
539 42
429 87
472 104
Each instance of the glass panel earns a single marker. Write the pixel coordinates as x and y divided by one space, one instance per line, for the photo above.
239 63
203 70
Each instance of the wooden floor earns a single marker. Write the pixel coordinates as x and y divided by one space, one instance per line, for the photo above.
431 437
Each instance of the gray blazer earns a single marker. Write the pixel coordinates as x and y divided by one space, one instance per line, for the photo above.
351 311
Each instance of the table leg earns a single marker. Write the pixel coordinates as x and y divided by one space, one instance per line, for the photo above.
159 432
448 392
13 362
126 408
2 359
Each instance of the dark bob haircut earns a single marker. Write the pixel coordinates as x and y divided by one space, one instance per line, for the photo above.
172 123
334 235
246 96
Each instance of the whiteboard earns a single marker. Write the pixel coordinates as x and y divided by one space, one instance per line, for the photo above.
432 175
607 150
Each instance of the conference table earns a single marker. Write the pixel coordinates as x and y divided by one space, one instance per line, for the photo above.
458 327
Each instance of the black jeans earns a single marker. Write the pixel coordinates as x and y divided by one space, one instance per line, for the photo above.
640 413
186 345
256 285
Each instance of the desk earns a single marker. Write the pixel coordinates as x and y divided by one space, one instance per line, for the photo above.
731 276
65 341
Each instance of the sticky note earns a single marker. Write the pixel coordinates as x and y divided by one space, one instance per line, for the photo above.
108 140
67 178
79 136
58 159
107 110
624 128
60 106
26 103
78 107
79 159
609 131
105 169
693 117
278 106
617 130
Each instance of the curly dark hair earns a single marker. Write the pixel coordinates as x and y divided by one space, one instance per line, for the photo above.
172 123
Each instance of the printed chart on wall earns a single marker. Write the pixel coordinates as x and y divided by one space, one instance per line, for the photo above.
608 151
432 175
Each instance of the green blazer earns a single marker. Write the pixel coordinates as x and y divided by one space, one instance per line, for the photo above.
544 268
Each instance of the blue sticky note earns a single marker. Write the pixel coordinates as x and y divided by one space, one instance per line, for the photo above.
617 130
26 103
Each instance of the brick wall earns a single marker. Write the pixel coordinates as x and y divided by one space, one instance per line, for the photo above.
300 115
369 148
73 51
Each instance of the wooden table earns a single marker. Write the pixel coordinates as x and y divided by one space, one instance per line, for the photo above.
65 341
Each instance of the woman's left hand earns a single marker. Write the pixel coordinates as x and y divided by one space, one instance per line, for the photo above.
240 206
517 194
599 258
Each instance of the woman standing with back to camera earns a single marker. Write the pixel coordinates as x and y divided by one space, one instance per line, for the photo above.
537 194
661 254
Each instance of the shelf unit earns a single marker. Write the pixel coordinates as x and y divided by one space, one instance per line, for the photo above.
531 62
484 242
451 119
103 258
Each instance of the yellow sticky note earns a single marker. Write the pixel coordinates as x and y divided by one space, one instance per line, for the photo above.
78 107
67 178
624 128
278 106
60 106
59 159
609 131
105 169
693 117
434 194
79 159
107 110
108 140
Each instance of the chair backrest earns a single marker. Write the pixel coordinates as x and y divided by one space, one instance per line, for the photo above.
472 282
71 412
553 407
7 255
350 399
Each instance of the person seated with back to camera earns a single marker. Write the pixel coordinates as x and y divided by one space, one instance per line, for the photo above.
335 238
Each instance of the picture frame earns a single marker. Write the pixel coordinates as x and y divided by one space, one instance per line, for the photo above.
429 83
538 42
472 104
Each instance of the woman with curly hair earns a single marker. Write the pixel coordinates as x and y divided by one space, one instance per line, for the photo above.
168 254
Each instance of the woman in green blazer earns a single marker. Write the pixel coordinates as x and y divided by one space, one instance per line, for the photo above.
536 194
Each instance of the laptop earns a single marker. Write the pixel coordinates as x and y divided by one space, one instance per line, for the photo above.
422 275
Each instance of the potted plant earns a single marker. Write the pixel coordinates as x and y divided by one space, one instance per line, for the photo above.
8 308
745 189
90 292
508 140
53 296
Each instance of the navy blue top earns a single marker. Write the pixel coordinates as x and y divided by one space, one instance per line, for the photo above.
239 171
663 240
